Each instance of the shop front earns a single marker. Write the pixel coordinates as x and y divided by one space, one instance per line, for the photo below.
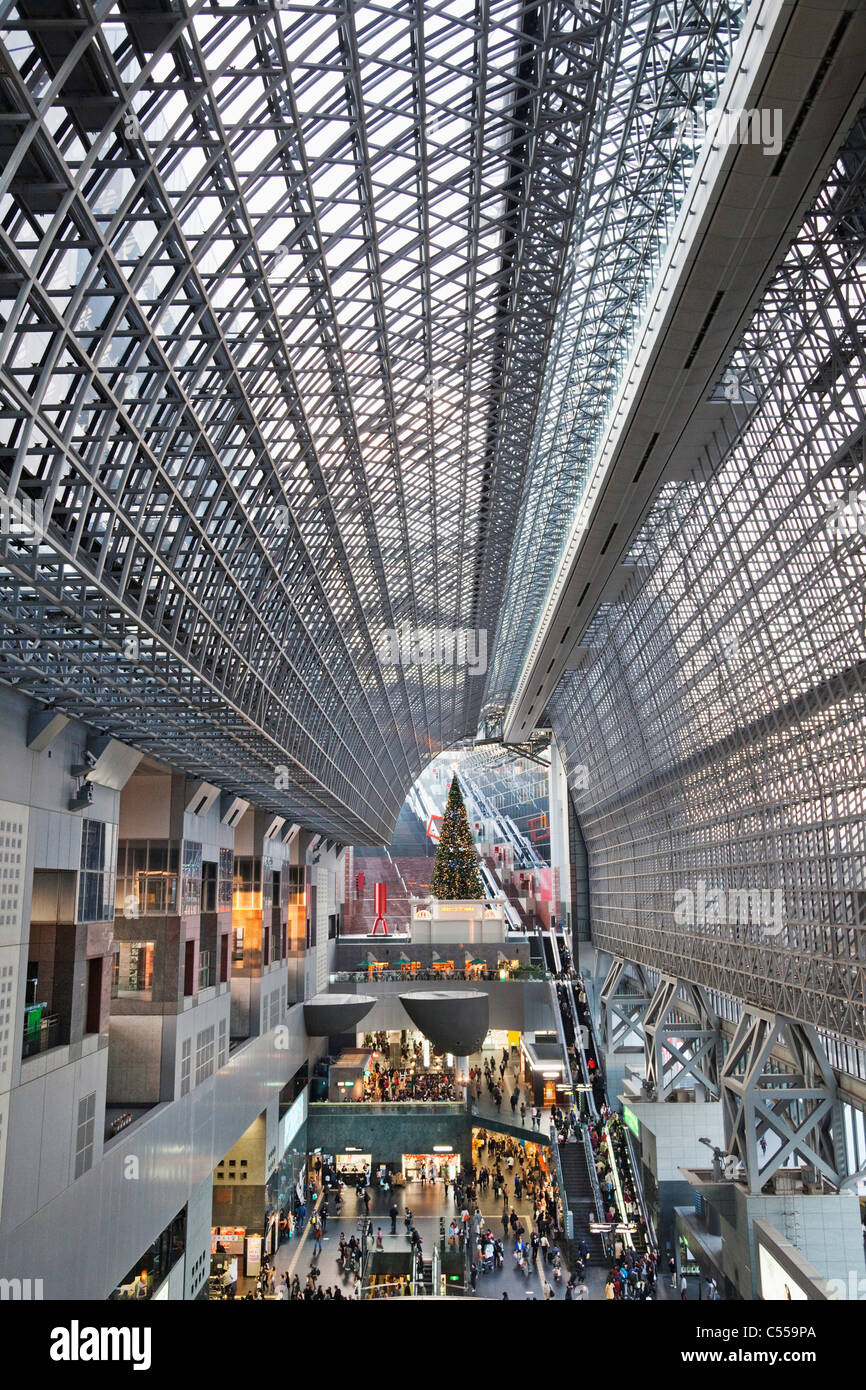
433 1167
354 1168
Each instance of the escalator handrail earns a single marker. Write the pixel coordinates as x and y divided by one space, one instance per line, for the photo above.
593 1178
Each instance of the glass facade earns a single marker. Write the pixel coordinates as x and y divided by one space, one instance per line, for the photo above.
147 878
317 387
96 877
714 733
191 875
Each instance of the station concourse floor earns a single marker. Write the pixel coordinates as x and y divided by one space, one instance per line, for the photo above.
428 1203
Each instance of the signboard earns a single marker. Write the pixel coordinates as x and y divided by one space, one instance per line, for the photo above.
631 1121
292 1121
776 1282
254 1256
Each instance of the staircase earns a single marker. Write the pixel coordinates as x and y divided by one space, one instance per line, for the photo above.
510 892
578 1190
360 911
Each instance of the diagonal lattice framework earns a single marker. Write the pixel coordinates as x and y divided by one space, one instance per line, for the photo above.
625 997
682 1039
276 289
717 719
798 1106
663 61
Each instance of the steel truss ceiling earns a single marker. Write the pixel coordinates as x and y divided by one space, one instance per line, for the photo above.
715 734
665 67
277 286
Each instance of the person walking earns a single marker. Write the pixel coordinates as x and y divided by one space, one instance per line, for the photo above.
394 1213
684 1288
523 1112
317 1240
379 1238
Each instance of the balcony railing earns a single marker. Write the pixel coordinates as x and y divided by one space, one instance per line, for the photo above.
370 1107
365 977
40 1039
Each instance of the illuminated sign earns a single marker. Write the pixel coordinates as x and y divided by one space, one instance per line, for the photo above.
631 1121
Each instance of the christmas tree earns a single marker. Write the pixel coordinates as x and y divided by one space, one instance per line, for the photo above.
455 868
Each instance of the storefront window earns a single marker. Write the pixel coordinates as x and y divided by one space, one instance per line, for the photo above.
132 976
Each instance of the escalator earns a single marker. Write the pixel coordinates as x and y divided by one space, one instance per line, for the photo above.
576 1019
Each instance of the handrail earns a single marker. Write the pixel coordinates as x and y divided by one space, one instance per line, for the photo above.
396 869
634 1173
361 977
567 1214
554 948
638 1187
617 1186
581 1053
593 1178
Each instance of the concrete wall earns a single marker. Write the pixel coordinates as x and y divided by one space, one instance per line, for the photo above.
147 1174
198 1224
825 1229
403 1130
670 1134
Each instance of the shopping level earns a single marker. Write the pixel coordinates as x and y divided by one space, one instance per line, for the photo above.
430 1160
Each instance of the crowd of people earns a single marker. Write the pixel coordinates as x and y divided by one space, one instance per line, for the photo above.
411 1080
507 1170
383 1084
486 1076
633 1276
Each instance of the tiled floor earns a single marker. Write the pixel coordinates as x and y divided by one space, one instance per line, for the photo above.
428 1204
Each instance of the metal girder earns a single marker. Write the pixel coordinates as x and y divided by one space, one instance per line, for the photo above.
716 743
681 1039
661 62
624 1000
277 284
798 1109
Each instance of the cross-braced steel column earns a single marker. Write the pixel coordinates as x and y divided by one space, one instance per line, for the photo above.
681 1039
798 1104
624 1002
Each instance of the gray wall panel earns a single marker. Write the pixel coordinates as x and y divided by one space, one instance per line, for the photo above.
176 1148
